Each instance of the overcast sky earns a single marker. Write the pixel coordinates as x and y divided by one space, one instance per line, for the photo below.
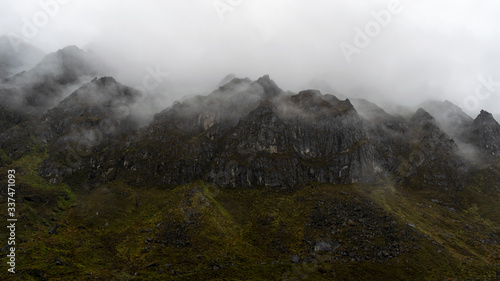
425 50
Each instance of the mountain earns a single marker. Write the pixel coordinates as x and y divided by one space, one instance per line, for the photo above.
485 134
251 133
248 182
55 76
324 87
88 119
370 111
96 101
16 56
450 117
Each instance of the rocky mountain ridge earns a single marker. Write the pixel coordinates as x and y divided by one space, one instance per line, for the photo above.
253 134
43 86
248 182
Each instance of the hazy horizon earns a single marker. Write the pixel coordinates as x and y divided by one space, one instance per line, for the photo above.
398 51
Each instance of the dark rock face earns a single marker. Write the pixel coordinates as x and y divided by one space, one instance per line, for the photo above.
485 134
252 133
46 84
433 154
9 118
450 117
85 123
246 133
304 138
101 99
17 141
274 147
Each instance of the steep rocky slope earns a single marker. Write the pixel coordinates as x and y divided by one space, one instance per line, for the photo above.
84 124
450 118
485 134
46 84
248 182
253 134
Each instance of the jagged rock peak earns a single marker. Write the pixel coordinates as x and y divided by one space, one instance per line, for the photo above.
71 53
484 117
101 90
234 83
450 104
69 49
422 116
270 87
226 79
309 93
485 134
444 110
104 81
313 100
265 78
69 64
370 111
308 98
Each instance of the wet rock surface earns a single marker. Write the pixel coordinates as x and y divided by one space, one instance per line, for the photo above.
485 134
248 134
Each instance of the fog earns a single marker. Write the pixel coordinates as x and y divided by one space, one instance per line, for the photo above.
408 52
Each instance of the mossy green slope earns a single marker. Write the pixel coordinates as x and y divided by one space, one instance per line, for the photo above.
201 232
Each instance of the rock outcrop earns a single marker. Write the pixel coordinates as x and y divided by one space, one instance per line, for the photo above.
253 134
485 134
246 133
48 82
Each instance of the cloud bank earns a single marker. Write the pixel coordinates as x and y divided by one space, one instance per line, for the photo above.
427 50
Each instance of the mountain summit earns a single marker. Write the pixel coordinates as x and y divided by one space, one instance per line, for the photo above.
253 134
247 182
54 77
485 134
16 56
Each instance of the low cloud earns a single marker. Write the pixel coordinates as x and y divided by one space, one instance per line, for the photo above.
427 50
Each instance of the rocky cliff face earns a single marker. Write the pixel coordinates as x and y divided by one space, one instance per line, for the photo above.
315 185
450 118
303 139
48 82
80 129
284 141
485 134
249 133
433 155
253 134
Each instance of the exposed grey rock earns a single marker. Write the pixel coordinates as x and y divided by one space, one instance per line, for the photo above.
322 246
450 117
485 134
249 134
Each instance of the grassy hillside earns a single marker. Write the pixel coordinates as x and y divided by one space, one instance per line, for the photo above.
201 232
